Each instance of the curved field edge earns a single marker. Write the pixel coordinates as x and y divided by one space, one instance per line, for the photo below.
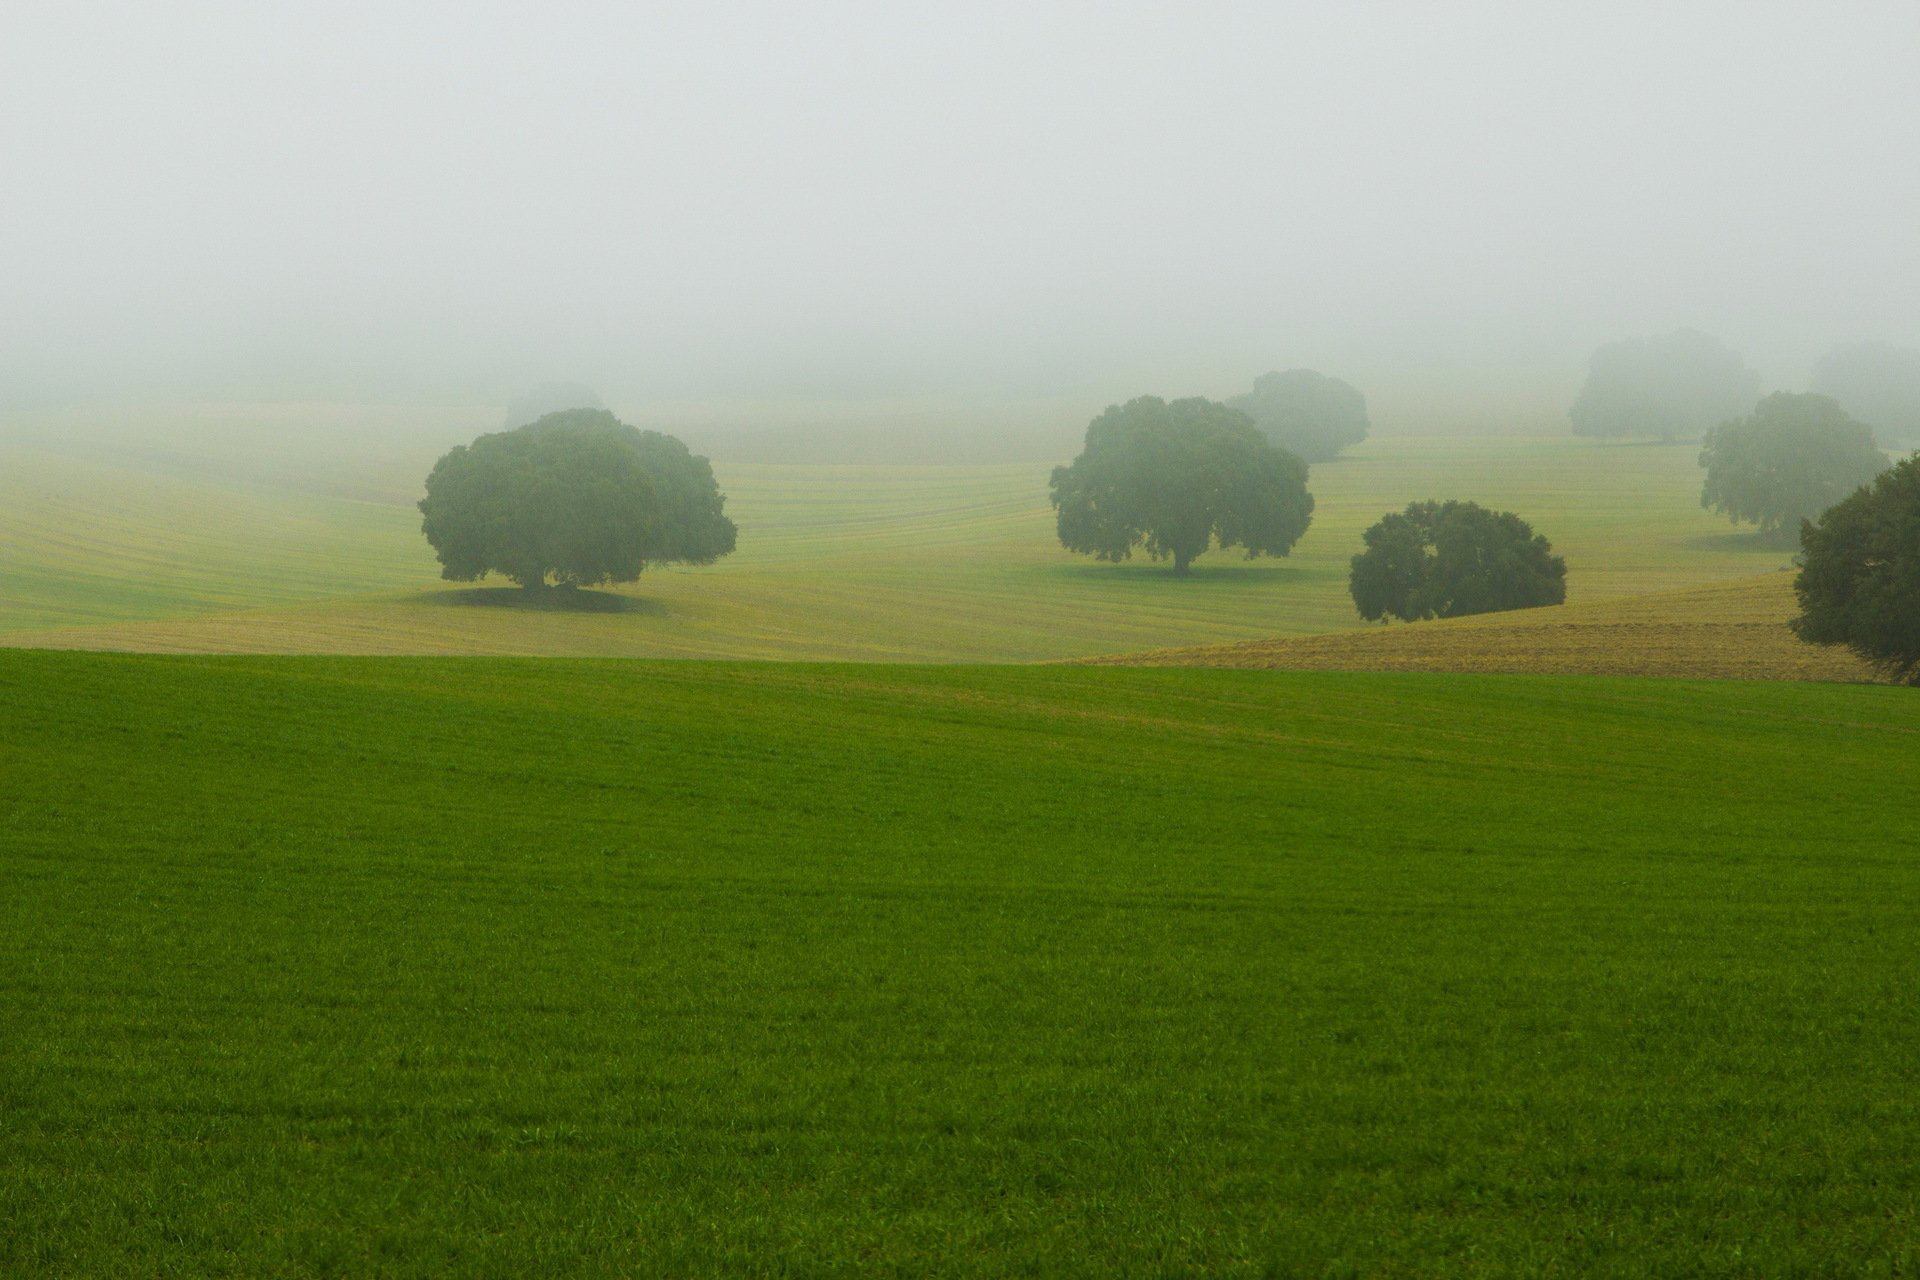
425 966
1728 631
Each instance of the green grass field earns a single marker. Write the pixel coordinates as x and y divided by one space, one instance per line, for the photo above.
491 967
238 549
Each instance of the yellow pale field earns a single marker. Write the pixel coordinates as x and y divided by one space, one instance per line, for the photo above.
291 540
1733 631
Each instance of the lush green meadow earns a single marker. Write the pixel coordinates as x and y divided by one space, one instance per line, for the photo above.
495 967
226 549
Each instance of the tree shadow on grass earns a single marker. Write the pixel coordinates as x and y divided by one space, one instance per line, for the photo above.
1199 577
551 600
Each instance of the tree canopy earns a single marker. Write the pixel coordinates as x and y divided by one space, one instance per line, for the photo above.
693 528
1859 584
578 496
1674 387
1447 559
1877 383
1793 457
1174 478
1305 412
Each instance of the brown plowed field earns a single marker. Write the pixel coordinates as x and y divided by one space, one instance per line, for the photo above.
1732 631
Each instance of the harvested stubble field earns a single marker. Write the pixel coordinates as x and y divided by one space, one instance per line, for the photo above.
1729 631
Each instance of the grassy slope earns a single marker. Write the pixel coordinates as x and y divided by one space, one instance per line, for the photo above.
485 967
1729 631
871 563
85 541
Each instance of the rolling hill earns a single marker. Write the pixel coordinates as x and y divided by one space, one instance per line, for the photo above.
1729 631
257 546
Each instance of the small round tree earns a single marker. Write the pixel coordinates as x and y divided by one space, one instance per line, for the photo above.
1447 559
1672 387
1860 581
1793 457
1175 477
579 497
1306 413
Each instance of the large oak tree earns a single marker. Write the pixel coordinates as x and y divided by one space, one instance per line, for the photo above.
1859 584
1793 457
1673 387
1176 477
1305 412
579 497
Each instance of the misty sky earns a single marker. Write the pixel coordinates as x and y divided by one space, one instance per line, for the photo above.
884 200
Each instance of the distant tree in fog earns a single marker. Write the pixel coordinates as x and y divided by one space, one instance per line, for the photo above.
1876 383
1859 584
1306 413
1673 387
550 397
1175 477
1448 559
579 497
1793 457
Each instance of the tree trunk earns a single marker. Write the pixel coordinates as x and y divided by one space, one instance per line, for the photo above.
1181 560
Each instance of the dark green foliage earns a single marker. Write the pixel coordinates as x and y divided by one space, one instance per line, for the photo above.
1877 383
694 528
1793 457
560 497
482 967
1447 559
579 496
1674 387
1306 413
1859 584
1173 478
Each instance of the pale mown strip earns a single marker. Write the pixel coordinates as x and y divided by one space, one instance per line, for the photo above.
1729 631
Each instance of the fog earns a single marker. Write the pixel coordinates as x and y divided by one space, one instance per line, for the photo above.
780 214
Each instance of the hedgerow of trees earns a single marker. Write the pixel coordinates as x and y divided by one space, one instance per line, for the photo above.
1793 457
1448 559
1672 387
1859 584
1305 412
1176 477
579 497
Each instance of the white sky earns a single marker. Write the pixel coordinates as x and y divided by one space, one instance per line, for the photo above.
882 200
